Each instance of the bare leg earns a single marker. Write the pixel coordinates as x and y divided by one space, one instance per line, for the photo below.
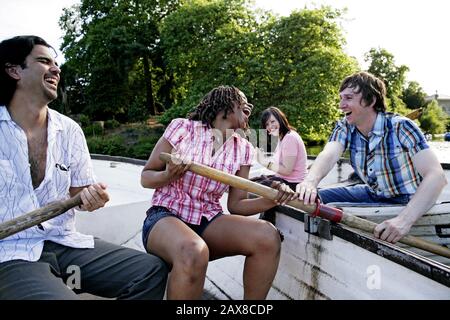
258 240
186 252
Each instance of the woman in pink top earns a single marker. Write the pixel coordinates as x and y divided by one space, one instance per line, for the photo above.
185 225
289 161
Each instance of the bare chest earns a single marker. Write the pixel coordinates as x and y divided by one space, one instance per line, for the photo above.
37 156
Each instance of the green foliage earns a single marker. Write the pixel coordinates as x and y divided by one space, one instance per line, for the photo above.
382 65
112 55
107 145
433 119
413 95
137 110
143 148
127 60
177 111
134 142
294 62
112 124
84 120
94 129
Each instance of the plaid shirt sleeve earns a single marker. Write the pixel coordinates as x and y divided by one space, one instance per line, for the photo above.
248 154
340 134
411 137
176 131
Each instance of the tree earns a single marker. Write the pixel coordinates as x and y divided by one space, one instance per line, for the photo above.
304 63
105 43
296 62
206 44
413 95
433 119
383 66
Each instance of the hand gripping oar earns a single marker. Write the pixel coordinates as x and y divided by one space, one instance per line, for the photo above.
37 216
318 209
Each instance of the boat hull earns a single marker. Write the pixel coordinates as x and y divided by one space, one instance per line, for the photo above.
347 265
350 266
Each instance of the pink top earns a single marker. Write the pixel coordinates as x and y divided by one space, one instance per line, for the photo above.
194 196
292 146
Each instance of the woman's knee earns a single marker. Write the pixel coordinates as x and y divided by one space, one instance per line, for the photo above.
193 256
267 238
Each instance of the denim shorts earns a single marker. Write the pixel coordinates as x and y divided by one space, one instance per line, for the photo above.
358 194
156 213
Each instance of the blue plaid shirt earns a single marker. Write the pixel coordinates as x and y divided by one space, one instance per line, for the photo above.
393 142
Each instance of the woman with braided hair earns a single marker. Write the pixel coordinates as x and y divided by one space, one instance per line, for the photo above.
186 225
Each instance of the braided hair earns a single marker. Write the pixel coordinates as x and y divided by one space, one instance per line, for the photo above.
218 99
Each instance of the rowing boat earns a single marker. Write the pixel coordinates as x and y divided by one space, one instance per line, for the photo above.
319 259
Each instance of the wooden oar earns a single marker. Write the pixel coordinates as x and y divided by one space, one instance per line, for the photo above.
38 216
318 209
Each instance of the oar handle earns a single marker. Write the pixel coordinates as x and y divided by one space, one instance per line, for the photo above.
318 209
369 226
38 216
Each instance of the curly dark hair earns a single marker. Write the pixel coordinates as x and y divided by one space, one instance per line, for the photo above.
370 87
14 52
218 99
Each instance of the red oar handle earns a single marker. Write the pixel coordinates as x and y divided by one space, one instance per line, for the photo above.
326 212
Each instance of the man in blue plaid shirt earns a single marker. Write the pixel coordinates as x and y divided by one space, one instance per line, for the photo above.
388 152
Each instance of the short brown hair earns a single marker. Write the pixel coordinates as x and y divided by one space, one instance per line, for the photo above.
370 87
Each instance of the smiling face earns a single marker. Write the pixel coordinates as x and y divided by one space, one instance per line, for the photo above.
241 113
273 126
355 109
40 74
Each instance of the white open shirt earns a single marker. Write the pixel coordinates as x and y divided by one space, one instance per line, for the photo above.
67 149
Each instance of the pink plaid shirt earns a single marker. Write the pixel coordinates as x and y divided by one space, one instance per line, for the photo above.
192 196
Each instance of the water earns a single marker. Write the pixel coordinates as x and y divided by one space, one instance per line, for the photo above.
442 150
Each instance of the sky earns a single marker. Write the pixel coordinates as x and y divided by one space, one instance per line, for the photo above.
414 31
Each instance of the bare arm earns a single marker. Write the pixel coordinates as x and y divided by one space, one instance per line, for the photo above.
425 197
323 164
156 173
284 168
238 202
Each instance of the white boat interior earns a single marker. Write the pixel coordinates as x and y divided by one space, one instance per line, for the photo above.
311 267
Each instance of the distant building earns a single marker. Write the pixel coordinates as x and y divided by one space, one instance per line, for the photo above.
442 99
